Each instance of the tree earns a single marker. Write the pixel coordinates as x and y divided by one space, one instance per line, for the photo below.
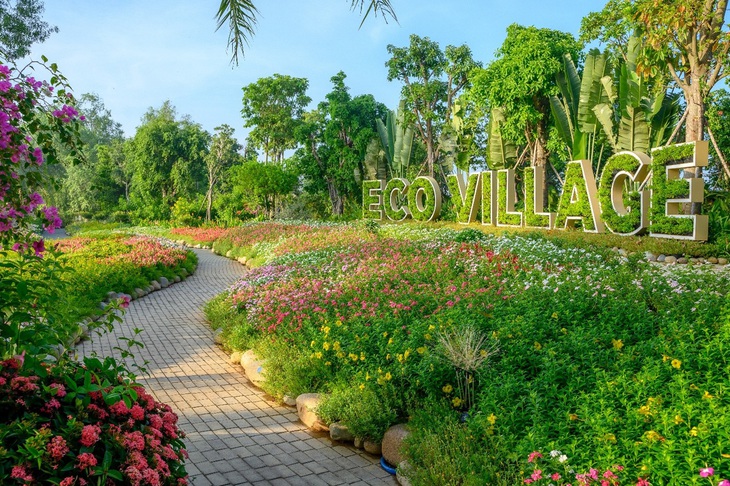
432 80
168 156
262 184
274 106
335 138
240 15
687 37
521 80
21 26
223 153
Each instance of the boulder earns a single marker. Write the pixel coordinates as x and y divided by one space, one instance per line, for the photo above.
340 433
307 404
650 257
289 401
218 336
253 368
359 442
229 254
712 260
682 260
111 296
177 279
140 292
372 447
722 261
670 259
242 260
183 272
164 283
393 442
661 258
155 285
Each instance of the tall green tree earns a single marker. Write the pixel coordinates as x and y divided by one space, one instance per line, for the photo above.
223 153
168 156
241 18
520 82
273 107
21 26
335 138
432 82
258 186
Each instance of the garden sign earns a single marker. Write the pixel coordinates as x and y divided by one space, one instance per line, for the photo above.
635 194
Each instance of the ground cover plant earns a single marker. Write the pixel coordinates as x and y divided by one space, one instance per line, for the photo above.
613 361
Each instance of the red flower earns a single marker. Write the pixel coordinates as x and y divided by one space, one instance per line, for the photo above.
57 448
90 435
86 459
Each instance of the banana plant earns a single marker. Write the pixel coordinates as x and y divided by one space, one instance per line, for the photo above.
634 118
502 153
573 111
396 138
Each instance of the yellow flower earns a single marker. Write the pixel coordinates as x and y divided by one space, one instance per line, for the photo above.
387 356
390 341
421 350
456 402
427 337
431 327
707 395
367 376
362 386
676 364
693 432
318 354
483 353
609 438
407 353
353 356
326 346
400 358
555 315
538 346
573 417
678 419
564 330
326 329
362 356
665 358
726 456
492 418
653 435
336 346
328 363
312 344
388 376
385 334
448 388
617 344
338 323
644 410
340 354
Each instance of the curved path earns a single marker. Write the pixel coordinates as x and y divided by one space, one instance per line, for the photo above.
235 435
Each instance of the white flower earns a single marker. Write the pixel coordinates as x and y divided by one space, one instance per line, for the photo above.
563 458
555 453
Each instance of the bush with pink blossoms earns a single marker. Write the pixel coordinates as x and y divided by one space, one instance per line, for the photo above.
84 423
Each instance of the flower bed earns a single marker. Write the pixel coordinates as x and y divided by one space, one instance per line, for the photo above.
610 361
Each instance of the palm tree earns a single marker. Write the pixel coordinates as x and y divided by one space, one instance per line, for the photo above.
240 15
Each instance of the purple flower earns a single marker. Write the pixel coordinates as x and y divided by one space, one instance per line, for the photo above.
706 472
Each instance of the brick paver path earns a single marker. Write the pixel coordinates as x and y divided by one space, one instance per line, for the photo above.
235 435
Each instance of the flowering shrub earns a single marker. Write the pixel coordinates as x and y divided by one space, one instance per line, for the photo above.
556 470
76 424
612 362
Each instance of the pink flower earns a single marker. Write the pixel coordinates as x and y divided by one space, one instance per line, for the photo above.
124 303
536 475
57 448
86 459
19 472
90 435
555 477
706 472
724 482
643 482
533 456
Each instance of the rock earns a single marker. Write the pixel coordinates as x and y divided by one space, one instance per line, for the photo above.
290 401
403 468
372 447
649 256
712 260
183 272
164 283
393 442
218 336
661 258
722 261
242 260
623 252
340 433
229 254
102 305
253 368
307 404
695 260
670 259
682 260
111 296
155 285
140 292
235 357
177 279
359 442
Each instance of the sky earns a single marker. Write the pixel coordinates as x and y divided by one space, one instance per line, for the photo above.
135 54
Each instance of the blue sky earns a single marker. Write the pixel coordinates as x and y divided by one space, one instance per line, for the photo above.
137 53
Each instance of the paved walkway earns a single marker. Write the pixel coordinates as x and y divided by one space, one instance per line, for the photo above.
235 435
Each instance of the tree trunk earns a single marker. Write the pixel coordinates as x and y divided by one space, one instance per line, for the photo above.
541 157
695 128
209 197
335 198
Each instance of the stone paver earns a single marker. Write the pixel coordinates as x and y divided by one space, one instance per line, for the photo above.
235 435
